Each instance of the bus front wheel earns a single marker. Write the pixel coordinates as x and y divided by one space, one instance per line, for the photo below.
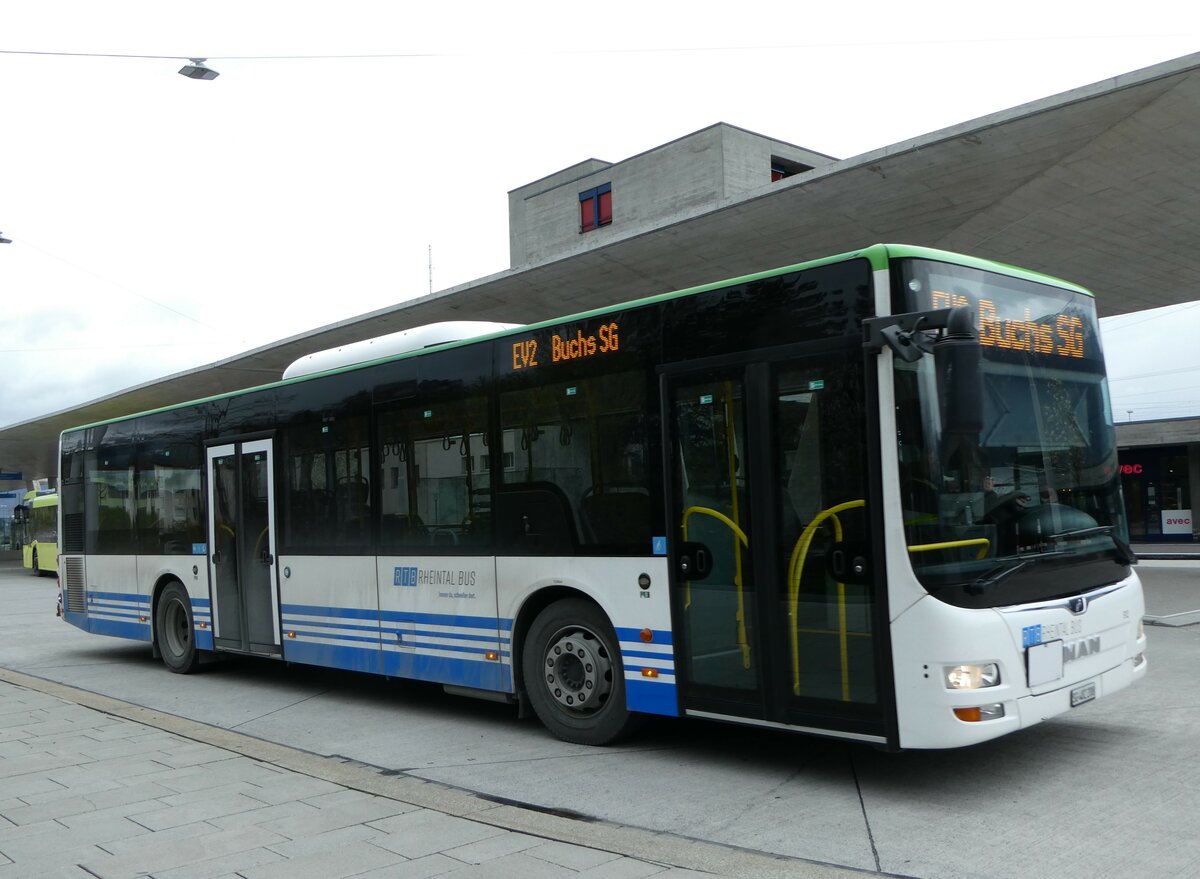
33 567
573 674
173 632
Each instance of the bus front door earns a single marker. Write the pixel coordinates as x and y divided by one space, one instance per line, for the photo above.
773 593
241 558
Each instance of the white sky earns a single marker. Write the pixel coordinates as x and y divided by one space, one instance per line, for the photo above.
160 223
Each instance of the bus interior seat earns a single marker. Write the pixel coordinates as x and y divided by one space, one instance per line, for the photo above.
535 517
402 528
615 515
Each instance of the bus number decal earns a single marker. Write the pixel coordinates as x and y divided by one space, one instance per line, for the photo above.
525 354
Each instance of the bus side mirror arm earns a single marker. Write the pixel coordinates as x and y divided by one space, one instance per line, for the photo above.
906 334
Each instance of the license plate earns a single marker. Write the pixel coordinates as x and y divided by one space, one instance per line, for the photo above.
1086 693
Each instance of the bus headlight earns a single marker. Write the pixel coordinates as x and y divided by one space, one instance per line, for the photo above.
971 677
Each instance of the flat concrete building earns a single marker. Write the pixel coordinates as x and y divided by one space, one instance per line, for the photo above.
594 203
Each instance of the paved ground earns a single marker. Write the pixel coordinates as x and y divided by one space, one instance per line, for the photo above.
1105 792
91 786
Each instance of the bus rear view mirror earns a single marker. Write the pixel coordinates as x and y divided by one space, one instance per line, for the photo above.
957 356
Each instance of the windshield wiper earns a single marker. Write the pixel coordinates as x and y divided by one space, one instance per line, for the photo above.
1125 551
984 584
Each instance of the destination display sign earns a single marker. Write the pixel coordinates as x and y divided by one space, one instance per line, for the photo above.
582 343
1011 325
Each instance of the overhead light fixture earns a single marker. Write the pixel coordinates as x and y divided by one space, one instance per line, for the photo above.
198 70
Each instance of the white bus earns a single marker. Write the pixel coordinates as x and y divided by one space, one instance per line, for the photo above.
872 497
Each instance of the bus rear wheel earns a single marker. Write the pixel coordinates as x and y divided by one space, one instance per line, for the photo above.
33 567
573 674
173 632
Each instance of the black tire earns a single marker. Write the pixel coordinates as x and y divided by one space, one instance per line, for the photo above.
33 569
573 674
173 632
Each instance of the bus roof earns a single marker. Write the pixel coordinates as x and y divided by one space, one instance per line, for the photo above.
879 256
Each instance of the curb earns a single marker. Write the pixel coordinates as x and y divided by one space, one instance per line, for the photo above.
656 847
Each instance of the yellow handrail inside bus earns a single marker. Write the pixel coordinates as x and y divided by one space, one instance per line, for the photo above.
743 641
258 543
981 542
795 568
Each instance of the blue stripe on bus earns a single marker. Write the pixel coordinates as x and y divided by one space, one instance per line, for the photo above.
445 633
133 631
366 659
313 610
478 674
445 619
652 697
120 596
301 634
645 654
393 616
289 623
416 641
204 639
419 644
661 636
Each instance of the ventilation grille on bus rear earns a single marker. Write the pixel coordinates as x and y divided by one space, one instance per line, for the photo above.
72 532
76 597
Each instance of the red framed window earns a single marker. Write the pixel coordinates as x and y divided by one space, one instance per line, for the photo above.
595 208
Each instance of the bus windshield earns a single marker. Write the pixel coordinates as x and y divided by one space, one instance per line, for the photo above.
993 517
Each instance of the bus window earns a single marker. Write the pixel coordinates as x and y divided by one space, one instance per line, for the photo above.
435 494
170 511
113 500
327 490
579 474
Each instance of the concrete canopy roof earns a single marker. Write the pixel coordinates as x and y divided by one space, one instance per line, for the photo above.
1097 185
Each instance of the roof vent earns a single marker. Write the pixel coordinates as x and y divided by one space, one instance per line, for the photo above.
392 345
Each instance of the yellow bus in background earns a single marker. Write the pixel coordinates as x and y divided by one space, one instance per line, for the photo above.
39 544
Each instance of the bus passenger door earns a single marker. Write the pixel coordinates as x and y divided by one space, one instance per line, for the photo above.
773 580
241 558
715 577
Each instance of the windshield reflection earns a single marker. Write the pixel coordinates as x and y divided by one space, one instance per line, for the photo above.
994 517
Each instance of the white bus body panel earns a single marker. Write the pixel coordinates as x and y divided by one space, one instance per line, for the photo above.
450 619
438 621
329 609
114 604
1099 646
192 572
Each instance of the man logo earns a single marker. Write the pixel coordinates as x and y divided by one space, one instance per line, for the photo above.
1078 605
1081 648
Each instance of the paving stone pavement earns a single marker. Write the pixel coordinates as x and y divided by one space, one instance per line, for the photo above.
87 792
